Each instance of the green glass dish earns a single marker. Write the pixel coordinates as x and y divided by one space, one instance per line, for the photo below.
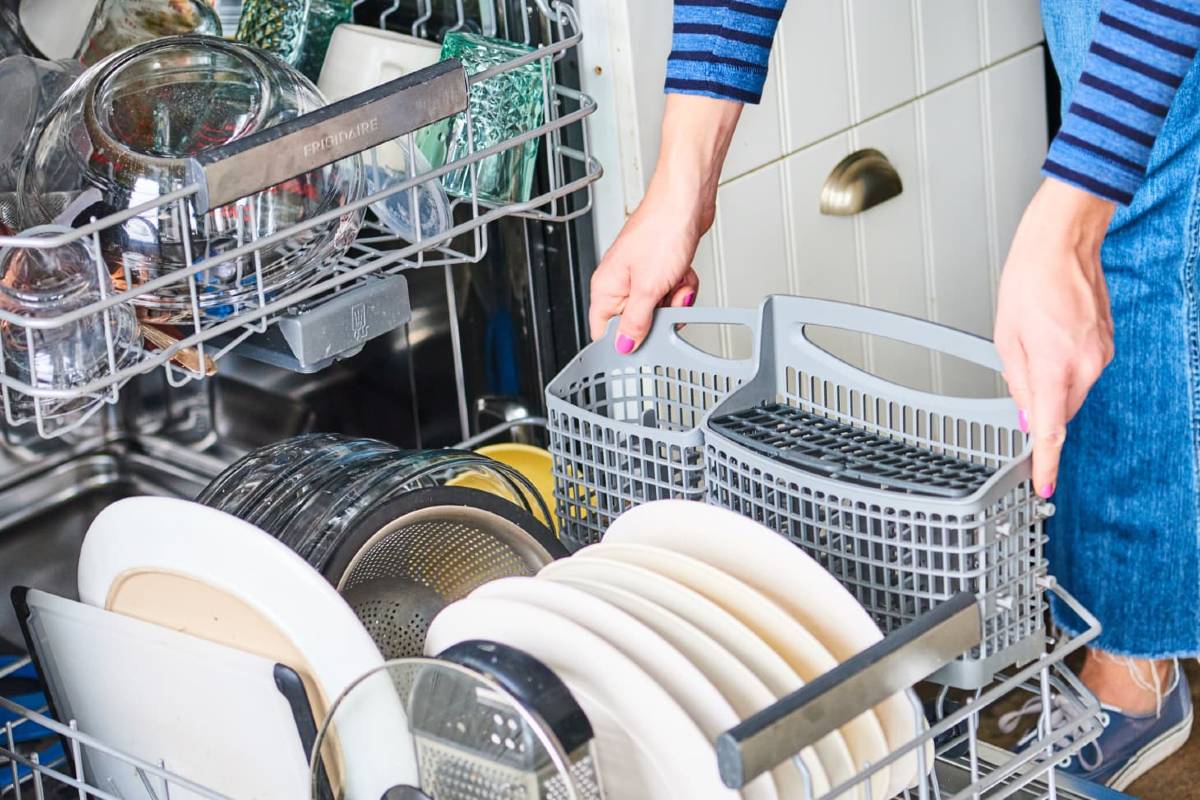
298 31
501 108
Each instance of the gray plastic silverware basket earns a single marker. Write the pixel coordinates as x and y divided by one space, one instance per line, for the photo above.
625 430
907 497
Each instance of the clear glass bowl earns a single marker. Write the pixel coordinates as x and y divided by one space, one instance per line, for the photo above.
392 163
41 284
125 130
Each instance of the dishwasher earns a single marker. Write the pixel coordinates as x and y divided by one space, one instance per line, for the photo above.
421 331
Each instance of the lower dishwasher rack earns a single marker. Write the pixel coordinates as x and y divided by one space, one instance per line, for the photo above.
965 765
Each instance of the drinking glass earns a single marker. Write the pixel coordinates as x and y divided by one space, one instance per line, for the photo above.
118 24
501 107
298 31
39 284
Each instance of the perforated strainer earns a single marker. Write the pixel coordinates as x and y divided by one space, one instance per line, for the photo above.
401 564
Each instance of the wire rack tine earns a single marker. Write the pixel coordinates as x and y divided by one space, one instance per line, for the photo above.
423 17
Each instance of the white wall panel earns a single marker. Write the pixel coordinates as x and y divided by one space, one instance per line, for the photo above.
1010 27
884 55
893 246
957 229
826 263
949 46
814 65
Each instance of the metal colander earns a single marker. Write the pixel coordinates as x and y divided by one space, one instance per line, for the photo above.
435 546
396 612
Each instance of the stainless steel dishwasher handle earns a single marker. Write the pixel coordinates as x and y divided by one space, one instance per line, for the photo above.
352 125
910 654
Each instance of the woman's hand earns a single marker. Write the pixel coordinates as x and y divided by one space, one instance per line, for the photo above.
650 264
1054 327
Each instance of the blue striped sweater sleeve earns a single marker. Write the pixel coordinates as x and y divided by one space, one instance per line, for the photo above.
1138 57
720 48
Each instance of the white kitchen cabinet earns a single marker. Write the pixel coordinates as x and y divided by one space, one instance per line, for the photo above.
949 45
815 69
893 243
1010 27
836 63
967 167
884 55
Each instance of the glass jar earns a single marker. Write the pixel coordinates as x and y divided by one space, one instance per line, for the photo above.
29 87
128 127
47 283
298 31
118 24
501 107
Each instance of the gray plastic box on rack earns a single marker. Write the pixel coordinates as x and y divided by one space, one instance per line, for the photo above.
626 429
907 497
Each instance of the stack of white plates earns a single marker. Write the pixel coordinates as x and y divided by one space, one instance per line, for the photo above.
684 621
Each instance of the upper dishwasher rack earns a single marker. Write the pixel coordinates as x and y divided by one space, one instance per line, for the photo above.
566 171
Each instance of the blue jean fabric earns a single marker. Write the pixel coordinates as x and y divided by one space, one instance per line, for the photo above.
1126 536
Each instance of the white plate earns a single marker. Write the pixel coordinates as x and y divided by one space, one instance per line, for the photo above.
201 571
609 686
782 571
744 690
800 649
683 679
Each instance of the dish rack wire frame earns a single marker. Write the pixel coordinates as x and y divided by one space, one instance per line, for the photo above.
1064 728
626 430
899 553
376 251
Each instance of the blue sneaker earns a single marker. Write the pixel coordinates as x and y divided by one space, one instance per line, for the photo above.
1129 746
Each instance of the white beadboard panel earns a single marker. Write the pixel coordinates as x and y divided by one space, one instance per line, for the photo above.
1010 26
892 247
958 248
815 70
1017 121
759 136
706 337
752 254
949 46
826 261
884 55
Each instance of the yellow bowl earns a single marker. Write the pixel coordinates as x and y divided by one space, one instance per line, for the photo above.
534 463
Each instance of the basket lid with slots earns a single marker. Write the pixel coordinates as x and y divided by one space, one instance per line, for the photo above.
834 449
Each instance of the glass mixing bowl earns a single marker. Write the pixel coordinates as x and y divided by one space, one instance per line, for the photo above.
124 132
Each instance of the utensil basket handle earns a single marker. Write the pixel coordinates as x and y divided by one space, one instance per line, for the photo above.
664 344
349 126
784 312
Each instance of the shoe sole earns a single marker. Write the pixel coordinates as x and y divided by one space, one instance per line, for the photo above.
1152 755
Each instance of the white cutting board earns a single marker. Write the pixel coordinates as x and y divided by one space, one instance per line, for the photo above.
209 712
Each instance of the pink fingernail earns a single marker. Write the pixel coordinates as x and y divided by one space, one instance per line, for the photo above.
1047 491
624 344
691 298
1023 420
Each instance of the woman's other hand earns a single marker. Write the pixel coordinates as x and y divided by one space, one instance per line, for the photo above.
1054 327
650 264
